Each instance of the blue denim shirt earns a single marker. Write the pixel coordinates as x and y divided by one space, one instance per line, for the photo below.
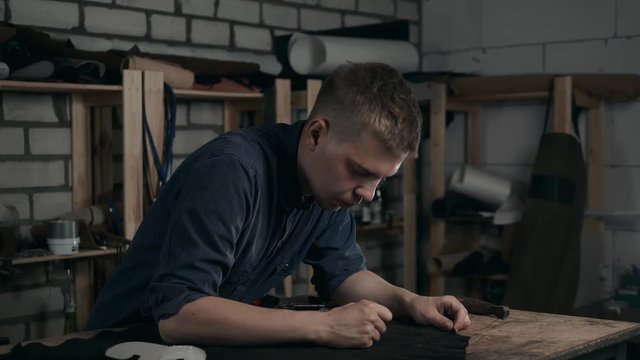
231 222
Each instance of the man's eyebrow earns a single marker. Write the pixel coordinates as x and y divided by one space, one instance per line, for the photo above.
364 170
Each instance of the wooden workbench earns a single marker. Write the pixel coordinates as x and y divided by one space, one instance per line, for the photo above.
528 334
523 335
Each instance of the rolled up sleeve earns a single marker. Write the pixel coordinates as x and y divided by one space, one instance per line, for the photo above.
335 255
198 251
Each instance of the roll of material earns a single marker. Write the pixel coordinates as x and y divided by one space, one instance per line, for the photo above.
481 185
319 55
174 75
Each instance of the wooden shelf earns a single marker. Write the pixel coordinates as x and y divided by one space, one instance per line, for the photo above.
56 87
71 88
372 229
80 255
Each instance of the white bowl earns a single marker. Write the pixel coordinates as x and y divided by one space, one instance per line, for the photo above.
67 246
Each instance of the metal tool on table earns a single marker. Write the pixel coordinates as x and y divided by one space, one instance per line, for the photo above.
479 307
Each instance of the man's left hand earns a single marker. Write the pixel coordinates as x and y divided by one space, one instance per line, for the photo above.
444 312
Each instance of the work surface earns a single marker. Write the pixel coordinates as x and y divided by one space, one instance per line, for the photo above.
537 335
523 335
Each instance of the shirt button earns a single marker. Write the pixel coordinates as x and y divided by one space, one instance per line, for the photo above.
284 268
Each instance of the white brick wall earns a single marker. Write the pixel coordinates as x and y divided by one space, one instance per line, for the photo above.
168 27
357 20
281 16
210 32
627 13
28 107
239 10
408 9
11 141
50 141
186 141
206 113
339 4
54 14
27 302
563 20
382 7
160 5
182 114
21 203
319 20
451 24
494 61
197 7
249 37
27 174
47 206
101 20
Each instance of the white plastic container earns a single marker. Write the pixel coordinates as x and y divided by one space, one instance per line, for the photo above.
67 246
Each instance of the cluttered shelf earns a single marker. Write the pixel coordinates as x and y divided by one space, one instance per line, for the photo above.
80 254
60 87
371 229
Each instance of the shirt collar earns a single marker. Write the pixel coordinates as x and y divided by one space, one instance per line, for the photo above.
289 183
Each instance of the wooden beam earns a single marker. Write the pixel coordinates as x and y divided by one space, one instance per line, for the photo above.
313 88
288 286
410 236
461 105
299 100
132 152
231 115
80 153
154 106
103 155
562 105
84 297
585 100
438 172
475 137
283 101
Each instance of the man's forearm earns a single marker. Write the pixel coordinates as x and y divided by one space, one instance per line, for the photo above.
218 321
367 285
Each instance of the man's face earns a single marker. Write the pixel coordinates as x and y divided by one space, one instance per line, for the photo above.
342 172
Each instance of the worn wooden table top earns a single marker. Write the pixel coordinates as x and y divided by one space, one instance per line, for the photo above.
538 335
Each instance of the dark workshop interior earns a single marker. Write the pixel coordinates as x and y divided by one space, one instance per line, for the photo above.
520 208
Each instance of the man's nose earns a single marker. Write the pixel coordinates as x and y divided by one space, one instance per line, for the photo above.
368 191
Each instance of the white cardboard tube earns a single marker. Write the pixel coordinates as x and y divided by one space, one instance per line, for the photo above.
319 55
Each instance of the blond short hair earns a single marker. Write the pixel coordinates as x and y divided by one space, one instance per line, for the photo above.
371 96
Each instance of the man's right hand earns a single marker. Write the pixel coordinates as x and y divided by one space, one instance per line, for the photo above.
358 324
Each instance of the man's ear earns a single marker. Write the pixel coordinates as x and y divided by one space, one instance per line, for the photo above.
316 130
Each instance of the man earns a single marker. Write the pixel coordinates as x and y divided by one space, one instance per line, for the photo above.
245 209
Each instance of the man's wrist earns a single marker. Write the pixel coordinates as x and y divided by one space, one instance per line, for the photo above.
403 302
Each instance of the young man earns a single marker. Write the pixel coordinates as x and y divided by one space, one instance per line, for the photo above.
245 209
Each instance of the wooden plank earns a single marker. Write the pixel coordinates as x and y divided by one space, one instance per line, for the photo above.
283 101
460 105
231 116
475 157
527 96
313 88
529 335
609 86
596 182
214 95
410 236
83 279
54 87
153 83
585 100
106 155
438 173
562 105
299 100
80 153
132 139
79 255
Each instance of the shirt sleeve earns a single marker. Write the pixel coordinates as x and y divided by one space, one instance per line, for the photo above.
201 240
335 255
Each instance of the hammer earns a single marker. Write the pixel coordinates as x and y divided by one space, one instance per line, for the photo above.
479 307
